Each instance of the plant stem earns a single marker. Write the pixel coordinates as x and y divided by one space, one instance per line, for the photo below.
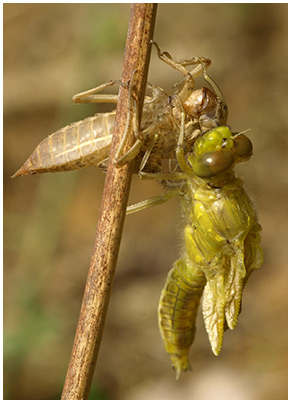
109 229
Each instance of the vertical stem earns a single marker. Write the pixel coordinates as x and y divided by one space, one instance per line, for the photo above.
109 229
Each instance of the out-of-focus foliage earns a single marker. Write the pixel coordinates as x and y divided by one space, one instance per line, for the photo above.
52 51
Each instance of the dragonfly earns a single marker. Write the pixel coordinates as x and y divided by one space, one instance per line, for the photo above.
87 142
221 241
221 233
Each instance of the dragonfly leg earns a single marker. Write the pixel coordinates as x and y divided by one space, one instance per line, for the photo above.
130 154
160 176
211 82
131 123
200 63
151 202
189 84
180 64
221 113
167 58
147 153
90 96
180 156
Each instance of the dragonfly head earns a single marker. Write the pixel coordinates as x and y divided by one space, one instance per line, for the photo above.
218 150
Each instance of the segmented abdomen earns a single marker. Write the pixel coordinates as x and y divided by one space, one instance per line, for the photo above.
222 240
178 309
75 146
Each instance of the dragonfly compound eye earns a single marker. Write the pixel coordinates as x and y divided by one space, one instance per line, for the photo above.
243 146
211 164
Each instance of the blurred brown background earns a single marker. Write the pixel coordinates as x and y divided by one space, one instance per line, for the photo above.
52 51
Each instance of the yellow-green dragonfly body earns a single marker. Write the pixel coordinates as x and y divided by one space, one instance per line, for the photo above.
222 246
221 234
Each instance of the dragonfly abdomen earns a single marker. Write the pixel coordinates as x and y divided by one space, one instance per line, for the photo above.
178 309
75 146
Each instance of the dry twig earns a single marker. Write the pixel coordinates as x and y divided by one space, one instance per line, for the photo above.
116 189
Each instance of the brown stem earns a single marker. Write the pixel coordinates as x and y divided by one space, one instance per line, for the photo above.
109 229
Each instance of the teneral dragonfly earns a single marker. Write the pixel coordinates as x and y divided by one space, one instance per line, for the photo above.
221 240
221 243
